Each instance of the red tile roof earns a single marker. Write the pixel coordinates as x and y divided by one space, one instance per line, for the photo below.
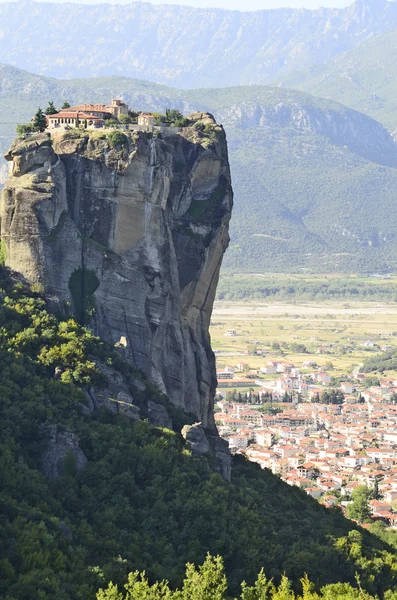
72 115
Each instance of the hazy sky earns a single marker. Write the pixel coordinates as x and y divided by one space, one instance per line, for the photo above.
233 4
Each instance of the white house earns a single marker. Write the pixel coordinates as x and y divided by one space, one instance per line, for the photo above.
346 387
146 122
237 442
72 120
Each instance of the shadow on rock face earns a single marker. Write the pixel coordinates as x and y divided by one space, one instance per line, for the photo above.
63 456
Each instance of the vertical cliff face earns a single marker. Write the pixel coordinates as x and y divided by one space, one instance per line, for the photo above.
129 236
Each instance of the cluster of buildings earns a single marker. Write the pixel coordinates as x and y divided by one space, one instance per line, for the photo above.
298 385
325 449
94 116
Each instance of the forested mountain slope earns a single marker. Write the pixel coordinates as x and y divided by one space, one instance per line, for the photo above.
363 78
88 493
315 183
180 45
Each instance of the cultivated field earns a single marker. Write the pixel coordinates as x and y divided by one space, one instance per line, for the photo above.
331 332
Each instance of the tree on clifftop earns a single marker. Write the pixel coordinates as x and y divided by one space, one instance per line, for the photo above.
50 110
39 121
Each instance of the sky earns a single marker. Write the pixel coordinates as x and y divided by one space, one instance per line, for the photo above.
228 4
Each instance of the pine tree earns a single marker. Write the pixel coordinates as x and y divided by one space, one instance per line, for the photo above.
263 589
39 121
65 104
50 110
208 582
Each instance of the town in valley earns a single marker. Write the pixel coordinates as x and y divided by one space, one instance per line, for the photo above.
294 396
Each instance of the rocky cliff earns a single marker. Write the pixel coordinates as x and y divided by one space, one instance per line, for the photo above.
128 234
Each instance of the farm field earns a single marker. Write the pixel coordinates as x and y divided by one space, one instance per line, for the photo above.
344 334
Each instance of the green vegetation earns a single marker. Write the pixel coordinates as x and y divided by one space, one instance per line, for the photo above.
39 121
359 509
142 502
209 582
83 284
51 110
362 78
175 117
117 139
298 288
386 361
25 129
332 397
3 253
125 119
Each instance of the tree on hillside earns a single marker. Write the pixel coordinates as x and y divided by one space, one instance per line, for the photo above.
359 508
332 397
125 119
263 589
66 104
39 121
371 381
51 110
175 117
208 582
172 115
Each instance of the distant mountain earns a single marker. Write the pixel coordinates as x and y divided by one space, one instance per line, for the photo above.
364 78
315 182
180 45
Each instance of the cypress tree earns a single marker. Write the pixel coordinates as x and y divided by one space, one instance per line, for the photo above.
50 110
39 121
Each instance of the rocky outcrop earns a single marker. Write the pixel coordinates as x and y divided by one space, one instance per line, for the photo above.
301 114
129 236
158 415
63 454
196 439
202 442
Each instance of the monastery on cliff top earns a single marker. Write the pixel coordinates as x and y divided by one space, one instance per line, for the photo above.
94 116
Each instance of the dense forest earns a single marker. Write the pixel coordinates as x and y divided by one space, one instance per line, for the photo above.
141 502
304 288
386 361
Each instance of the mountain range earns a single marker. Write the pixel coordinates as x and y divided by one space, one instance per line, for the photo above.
180 45
364 78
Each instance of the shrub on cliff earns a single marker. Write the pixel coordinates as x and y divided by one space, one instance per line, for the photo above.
117 139
24 129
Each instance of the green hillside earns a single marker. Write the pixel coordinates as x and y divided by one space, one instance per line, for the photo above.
140 500
314 181
305 203
364 78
